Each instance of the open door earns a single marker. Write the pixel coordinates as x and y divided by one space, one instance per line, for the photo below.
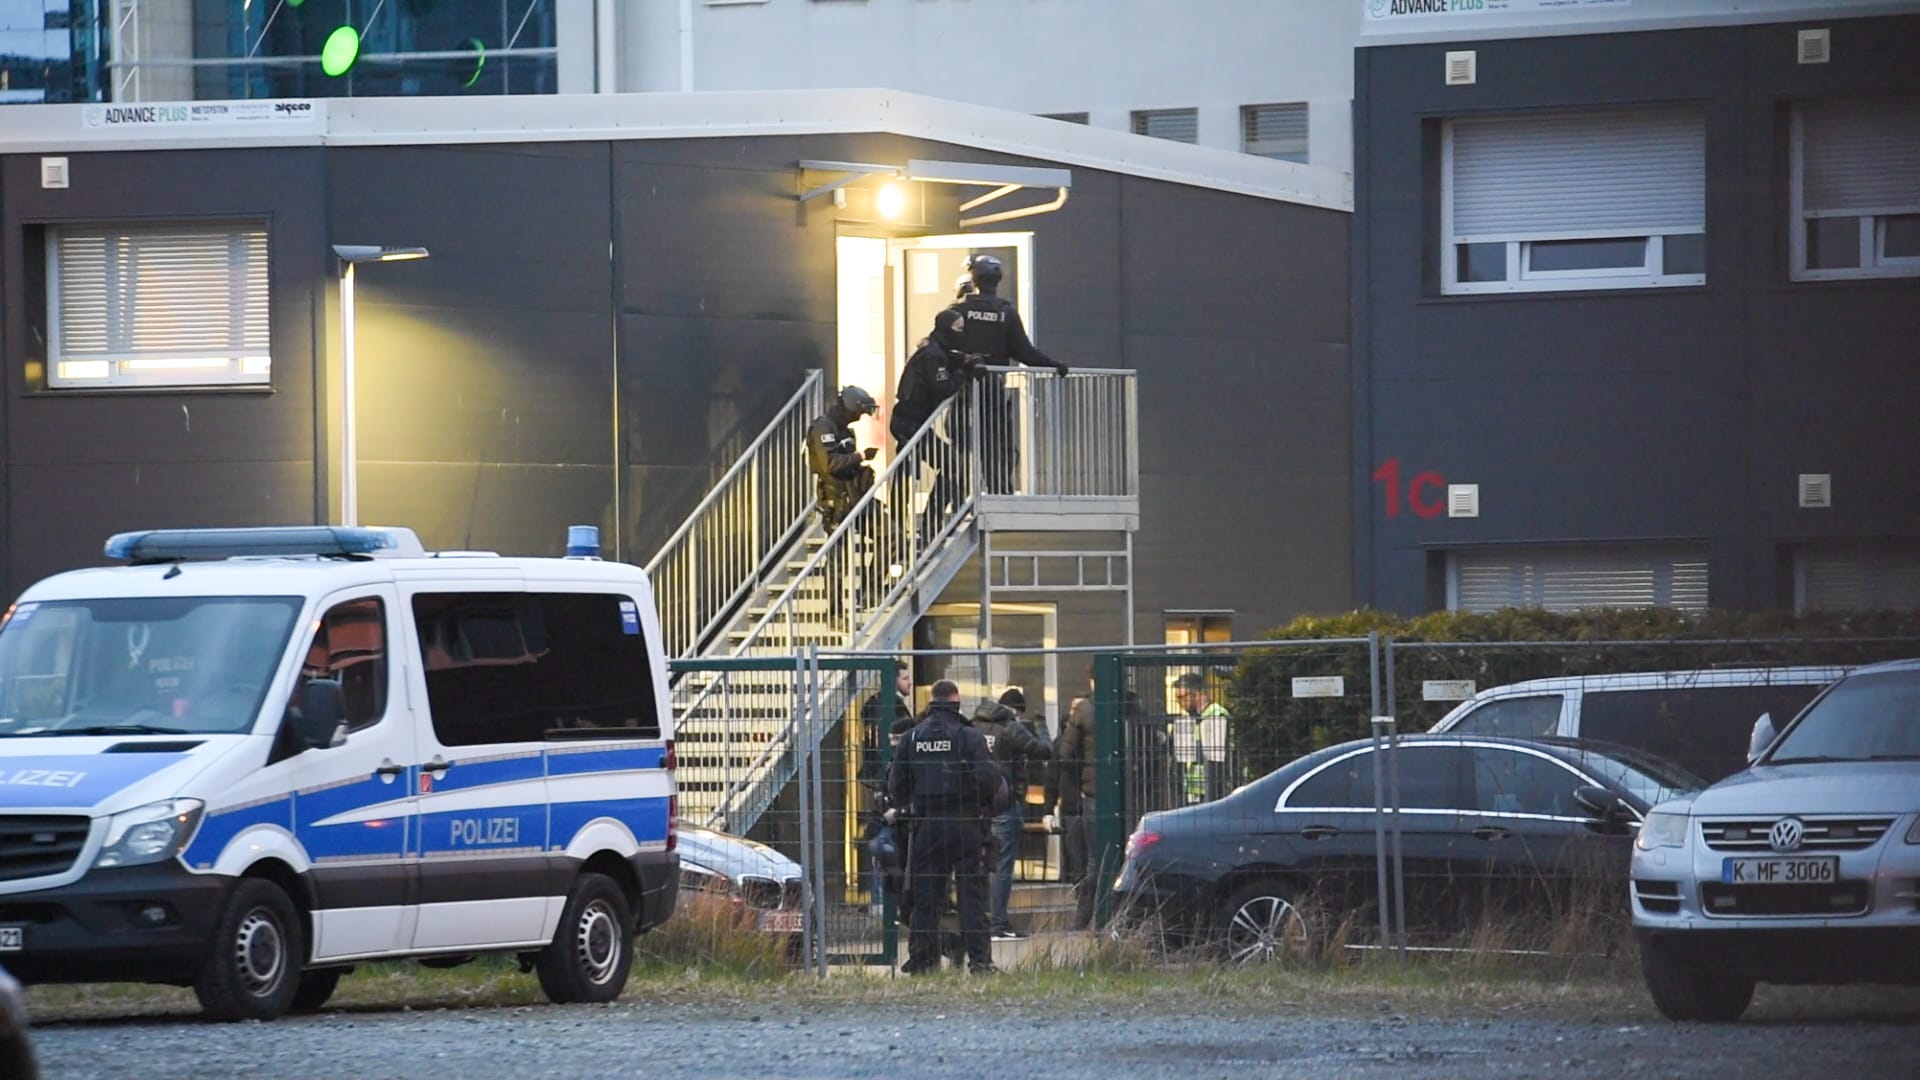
888 294
927 270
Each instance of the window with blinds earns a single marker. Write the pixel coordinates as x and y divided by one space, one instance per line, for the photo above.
1856 577
1577 579
1179 125
1066 117
1275 131
1856 188
1593 200
169 305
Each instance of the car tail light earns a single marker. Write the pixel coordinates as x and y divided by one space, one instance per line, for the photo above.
668 761
1139 842
673 822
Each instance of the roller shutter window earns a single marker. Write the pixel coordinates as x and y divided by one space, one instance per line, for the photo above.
1577 579
1275 131
1856 188
1066 117
1856 577
158 306
1593 200
1177 125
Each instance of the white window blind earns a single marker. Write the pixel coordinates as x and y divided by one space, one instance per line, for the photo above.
1861 156
1179 125
179 305
1275 131
1613 173
1857 577
1575 579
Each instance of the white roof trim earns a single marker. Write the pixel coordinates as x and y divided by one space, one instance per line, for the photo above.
406 121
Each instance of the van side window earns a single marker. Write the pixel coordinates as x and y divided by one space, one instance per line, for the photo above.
1519 716
350 645
520 667
1705 728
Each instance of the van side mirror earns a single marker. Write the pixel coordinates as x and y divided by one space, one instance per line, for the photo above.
1604 805
1763 734
319 715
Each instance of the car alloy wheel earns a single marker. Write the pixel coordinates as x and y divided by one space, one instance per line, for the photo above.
1265 928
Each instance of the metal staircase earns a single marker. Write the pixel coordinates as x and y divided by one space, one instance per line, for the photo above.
752 575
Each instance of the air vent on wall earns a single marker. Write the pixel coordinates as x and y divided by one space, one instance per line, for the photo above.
1463 68
1816 491
1816 47
1463 500
53 172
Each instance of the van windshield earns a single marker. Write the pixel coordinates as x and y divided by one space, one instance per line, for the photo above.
1871 717
172 665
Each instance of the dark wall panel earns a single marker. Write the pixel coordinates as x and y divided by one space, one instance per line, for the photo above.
81 464
1632 414
1236 321
492 361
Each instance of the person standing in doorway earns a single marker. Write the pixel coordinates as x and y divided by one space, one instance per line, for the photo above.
1070 789
993 336
1200 739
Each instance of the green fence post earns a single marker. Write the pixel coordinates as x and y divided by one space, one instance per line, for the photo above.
1110 832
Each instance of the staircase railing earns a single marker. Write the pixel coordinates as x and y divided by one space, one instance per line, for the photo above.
1010 432
721 552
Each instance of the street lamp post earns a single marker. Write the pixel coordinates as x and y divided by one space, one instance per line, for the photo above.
351 255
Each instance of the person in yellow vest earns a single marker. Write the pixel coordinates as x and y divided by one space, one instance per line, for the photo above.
1200 739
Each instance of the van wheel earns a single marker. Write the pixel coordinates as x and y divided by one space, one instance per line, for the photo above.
258 945
1684 992
593 948
316 987
1260 924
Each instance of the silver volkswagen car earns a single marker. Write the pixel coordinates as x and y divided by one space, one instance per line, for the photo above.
1803 868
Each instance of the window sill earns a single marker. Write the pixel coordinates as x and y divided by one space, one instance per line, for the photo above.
1536 295
140 391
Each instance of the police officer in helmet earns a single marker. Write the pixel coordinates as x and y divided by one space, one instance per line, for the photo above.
840 469
945 776
993 333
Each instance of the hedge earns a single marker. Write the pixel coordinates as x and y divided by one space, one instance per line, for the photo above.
1272 726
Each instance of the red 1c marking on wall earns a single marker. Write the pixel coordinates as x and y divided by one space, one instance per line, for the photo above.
1388 475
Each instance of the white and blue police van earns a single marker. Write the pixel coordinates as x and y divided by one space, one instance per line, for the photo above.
249 759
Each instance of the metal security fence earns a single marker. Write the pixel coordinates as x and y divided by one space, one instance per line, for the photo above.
1257 801
777 766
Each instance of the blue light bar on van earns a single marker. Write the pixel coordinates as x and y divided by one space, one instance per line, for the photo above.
162 545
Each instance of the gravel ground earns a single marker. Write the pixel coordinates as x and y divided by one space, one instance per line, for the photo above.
972 1033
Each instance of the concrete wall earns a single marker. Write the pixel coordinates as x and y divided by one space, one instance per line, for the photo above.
1636 414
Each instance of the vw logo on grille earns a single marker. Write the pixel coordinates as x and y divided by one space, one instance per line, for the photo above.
1786 834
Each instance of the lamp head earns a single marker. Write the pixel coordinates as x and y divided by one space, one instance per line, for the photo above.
359 253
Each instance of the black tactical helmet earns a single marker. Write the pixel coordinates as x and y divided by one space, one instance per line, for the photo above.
857 402
986 272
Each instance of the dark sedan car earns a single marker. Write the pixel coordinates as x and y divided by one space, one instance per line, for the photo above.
1510 830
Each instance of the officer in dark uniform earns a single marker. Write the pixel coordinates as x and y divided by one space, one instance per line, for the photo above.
932 375
993 336
945 775
993 333
840 469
